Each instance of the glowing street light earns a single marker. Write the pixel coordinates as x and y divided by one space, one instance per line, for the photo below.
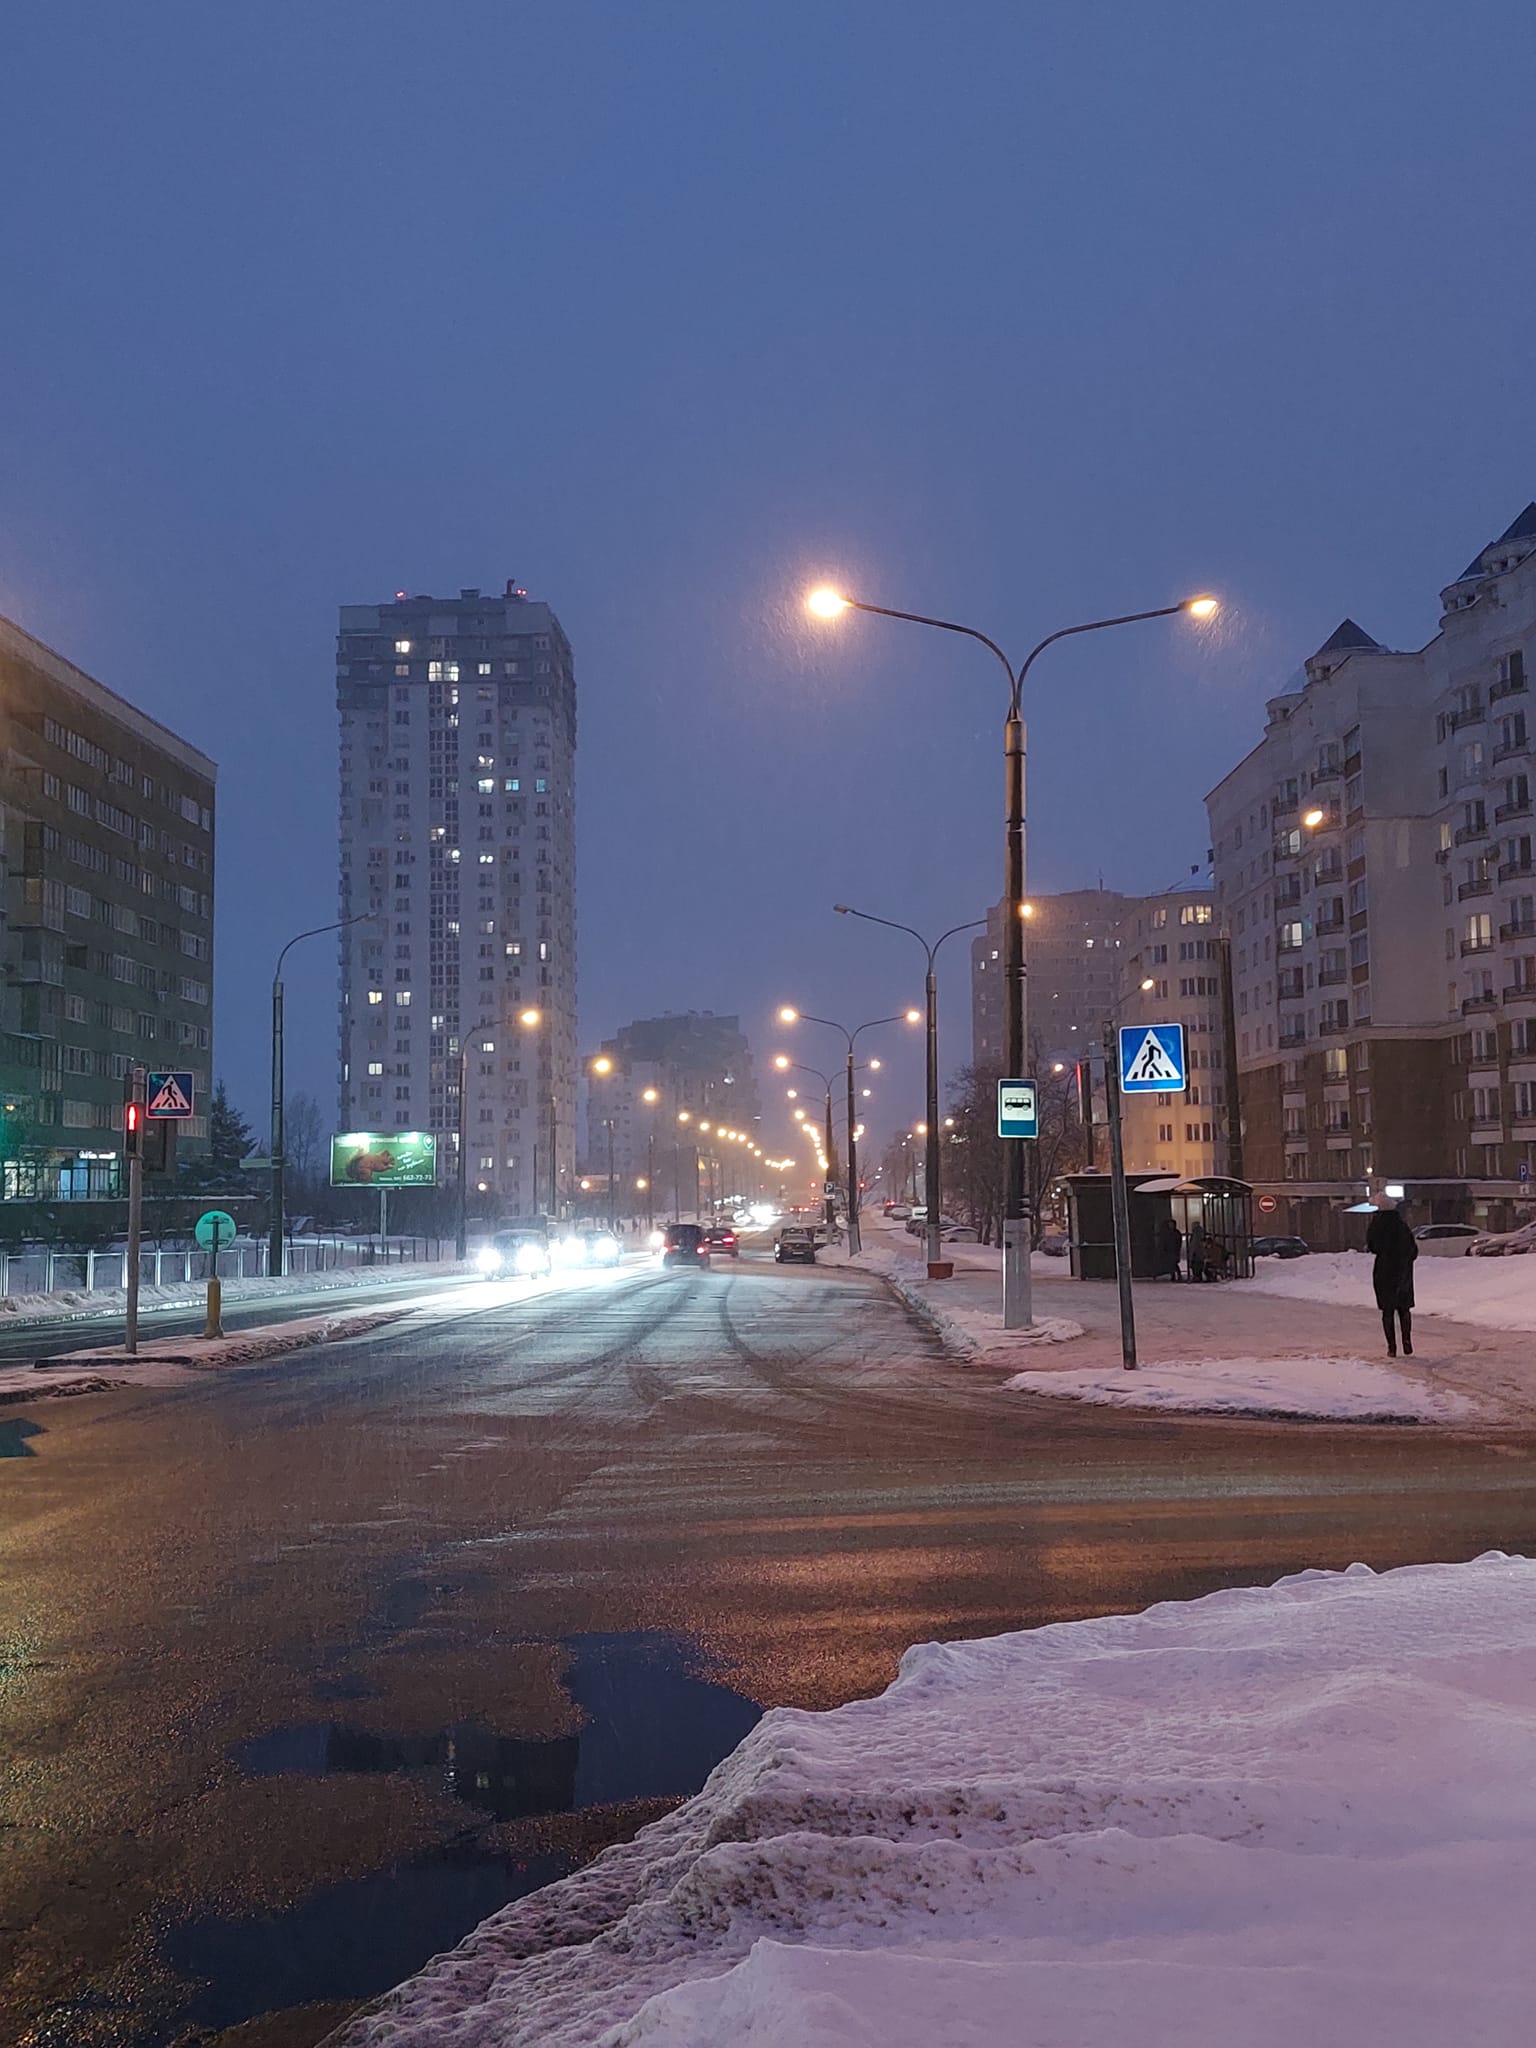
825 603
1313 818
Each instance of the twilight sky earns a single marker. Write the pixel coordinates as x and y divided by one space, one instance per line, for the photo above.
1018 311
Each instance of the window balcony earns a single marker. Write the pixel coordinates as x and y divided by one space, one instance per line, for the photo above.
1471 946
1507 686
1289 985
1321 777
1521 809
1465 834
1520 992
1471 1005
1483 886
1333 1027
1516 870
1518 928
1331 871
1293 1035
1512 750
1324 925
1474 714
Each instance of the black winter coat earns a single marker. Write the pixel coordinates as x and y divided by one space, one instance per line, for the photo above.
1395 1249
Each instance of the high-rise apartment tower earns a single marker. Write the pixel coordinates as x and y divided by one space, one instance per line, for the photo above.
458 829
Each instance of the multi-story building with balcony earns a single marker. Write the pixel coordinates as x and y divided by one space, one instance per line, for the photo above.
1072 969
1373 865
457 827
106 891
1172 941
665 1078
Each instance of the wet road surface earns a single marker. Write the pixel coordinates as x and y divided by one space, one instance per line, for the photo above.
306 1668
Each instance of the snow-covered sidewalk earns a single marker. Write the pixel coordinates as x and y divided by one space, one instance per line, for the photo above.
1495 1294
1300 1813
1289 1388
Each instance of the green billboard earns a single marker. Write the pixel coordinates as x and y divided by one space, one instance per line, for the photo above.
384 1159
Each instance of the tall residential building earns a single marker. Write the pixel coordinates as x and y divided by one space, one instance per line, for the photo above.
1071 964
1172 941
458 833
1374 867
698 1066
106 958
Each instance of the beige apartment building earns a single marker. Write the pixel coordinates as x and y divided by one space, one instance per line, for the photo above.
1373 866
1172 940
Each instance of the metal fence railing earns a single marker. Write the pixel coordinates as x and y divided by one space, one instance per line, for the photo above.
41 1269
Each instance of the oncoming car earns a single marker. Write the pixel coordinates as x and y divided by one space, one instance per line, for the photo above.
587 1248
522 1254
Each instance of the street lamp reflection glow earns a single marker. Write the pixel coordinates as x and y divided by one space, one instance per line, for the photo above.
1202 607
825 603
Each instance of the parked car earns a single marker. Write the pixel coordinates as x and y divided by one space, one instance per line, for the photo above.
723 1241
1503 1244
685 1245
1055 1244
1447 1240
899 1212
1280 1248
794 1247
916 1222
959 1233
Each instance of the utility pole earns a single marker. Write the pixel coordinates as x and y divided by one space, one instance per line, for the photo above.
1230 1095
133 1152
1119 1198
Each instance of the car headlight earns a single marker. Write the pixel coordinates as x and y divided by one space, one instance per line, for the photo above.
605 1247
530 1259
488 1260
656 1240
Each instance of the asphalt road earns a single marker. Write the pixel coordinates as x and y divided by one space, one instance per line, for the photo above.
305 1668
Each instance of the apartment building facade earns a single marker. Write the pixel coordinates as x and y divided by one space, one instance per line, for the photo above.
670 1081
1373 863
1072 961
458 842
1172 940
106 893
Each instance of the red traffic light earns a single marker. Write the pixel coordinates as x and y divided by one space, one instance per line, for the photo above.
133 1127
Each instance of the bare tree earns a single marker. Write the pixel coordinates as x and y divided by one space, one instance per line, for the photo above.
303 1134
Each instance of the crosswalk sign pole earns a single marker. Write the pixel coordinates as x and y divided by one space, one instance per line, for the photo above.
133 1152
1120 1200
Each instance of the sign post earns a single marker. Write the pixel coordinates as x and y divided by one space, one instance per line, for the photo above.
215 1229
133 1152
1151 1062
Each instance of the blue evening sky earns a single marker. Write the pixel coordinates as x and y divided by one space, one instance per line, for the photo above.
1020 313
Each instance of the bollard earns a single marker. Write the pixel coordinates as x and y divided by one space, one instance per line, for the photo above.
214 1327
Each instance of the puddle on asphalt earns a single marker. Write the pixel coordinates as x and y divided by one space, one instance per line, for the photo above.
654 1728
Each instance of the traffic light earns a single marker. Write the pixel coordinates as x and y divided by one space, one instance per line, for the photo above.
133 1129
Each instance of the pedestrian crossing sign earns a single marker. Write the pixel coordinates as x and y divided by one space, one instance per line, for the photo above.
1152 1059
168 1095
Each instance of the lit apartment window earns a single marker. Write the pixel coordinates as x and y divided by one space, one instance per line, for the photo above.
483 669
402 647
402 999
375 995
442 671
375 1066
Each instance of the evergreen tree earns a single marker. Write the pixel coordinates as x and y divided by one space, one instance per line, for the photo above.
230 1140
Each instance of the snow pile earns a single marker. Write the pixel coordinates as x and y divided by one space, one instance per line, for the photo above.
968 1332
1301 1813
1327 1389
105 1302
1499 1294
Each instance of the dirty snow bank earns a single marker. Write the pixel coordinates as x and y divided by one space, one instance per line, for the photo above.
1329 1389
1306 1812
968 1332
77 1303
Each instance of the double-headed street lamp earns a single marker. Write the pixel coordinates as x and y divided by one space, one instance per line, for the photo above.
932 1190
275 1241
830 604
789 1015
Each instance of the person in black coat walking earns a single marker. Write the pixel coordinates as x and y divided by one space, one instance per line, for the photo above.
1394 1248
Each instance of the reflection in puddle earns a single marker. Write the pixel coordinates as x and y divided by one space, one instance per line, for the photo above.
653 1728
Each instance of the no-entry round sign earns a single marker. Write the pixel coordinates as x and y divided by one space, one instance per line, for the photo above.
1267 1205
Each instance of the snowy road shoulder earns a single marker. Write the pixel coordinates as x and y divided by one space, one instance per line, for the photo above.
1302 1812
1316 1389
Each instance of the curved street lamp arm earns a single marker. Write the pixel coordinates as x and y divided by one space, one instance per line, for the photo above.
831 1024
341 924
870 1023
971 924
943 626
1166 611
891 925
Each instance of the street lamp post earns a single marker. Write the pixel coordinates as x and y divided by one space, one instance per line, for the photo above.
275 1242
931 1168
828 604
788 1015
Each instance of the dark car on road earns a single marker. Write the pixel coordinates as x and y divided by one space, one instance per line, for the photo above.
795 1246
685 1244
1280 1247
723 1241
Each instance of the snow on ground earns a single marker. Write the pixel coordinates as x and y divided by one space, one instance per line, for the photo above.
1499 1294
970 1332
77 1303
1327 1389
1298 1813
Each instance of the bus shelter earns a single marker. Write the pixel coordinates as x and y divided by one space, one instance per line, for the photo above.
1221 1210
